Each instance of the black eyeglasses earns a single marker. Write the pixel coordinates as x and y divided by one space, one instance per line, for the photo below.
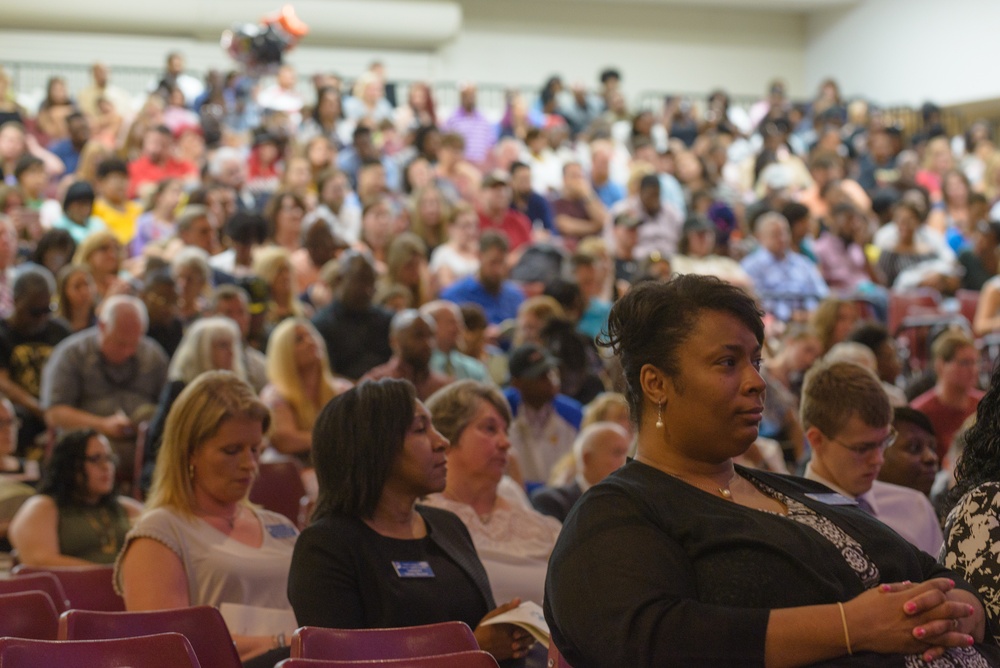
865 449
99 459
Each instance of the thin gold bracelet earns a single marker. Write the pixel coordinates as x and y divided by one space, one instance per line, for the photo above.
847 636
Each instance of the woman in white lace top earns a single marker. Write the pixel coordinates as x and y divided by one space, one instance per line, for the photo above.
513 540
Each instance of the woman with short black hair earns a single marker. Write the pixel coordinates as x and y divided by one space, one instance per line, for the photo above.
682 557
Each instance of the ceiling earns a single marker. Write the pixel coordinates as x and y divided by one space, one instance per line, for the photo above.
799 6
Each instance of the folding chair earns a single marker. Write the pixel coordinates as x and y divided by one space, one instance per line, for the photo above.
968 301
279 488
474 659
86 587
556 659
45 582
202 625
142 434
902 304
165 650
313 642
28 614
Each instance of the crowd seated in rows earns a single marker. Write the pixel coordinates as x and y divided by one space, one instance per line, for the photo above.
294 248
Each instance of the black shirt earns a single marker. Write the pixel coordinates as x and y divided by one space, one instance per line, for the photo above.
343 575
356 341
23 355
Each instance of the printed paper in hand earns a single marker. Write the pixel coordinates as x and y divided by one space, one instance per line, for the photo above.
529 617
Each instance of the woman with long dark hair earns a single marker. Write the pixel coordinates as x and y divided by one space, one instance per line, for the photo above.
77 518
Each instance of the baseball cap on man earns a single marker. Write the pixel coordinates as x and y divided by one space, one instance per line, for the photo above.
531 361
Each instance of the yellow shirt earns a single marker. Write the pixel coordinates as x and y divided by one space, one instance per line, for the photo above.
120 223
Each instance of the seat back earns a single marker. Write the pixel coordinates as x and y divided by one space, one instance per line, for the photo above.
28 614
473 659
279 488
556 659
202 625
141 436
922 301
313 642
968 302
165 650
45 582
86 587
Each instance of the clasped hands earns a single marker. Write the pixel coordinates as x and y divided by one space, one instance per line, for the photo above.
925 618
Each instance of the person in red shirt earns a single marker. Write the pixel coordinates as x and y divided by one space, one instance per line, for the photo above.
579 213
496 213
156 163
954 397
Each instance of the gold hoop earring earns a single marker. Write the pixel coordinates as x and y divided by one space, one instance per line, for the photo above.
659 415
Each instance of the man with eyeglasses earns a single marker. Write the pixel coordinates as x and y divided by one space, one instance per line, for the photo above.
847 419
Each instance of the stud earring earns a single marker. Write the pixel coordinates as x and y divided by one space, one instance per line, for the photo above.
659 415
191 471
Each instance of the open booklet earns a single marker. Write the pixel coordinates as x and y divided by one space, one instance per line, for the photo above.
529 617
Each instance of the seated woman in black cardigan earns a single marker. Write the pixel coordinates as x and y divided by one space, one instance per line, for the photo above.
372 557
682 558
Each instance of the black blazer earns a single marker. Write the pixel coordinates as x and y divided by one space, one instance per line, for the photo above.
338 575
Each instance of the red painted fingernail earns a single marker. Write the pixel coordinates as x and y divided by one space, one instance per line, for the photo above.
885 588
927 657
951 582
919 632
971 609
910 607
970 640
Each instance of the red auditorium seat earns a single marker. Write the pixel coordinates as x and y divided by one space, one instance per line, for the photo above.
314 642
202 625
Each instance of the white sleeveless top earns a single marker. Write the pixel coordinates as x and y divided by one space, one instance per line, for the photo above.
220 569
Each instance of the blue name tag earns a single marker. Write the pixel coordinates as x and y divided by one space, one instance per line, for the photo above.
413 569
833 499
280 531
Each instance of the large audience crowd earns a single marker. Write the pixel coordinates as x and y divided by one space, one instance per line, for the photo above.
230 271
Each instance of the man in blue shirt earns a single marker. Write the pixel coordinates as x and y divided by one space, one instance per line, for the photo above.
787 282
489 288
364 150
68 150
545 422
526 200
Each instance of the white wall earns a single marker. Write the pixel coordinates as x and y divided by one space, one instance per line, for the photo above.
907 51
656 47
512 42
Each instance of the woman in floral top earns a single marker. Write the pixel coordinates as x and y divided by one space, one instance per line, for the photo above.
972 530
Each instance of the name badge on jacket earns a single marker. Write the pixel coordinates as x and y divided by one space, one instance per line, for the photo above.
413 569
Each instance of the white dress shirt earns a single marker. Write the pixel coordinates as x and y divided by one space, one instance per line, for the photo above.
906 511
